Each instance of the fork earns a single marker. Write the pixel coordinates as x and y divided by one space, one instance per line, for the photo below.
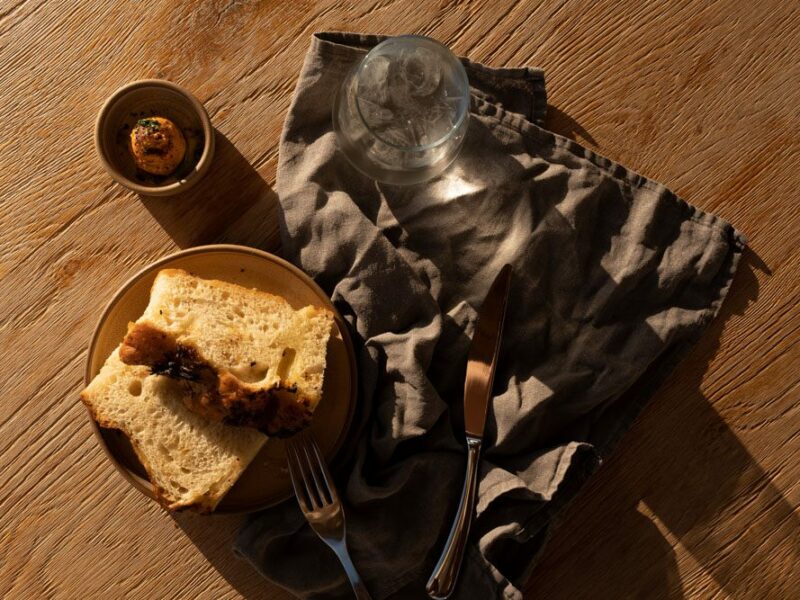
317 497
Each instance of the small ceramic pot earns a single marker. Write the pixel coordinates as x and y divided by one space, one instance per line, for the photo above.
148 98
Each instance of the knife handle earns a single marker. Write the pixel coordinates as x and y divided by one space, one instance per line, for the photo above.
444 576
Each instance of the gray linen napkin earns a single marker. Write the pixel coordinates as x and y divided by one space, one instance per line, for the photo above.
614 279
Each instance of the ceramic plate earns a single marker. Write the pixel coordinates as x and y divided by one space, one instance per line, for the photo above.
266 480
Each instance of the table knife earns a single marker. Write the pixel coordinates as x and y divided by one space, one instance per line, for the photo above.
481 364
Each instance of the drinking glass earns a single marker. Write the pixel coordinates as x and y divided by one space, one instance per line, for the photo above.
400 115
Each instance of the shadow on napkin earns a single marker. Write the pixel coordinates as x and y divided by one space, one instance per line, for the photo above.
681 478
232 204
616 279
633 535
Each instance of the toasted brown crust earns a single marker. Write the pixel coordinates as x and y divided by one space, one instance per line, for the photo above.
202 504
216 394
233 288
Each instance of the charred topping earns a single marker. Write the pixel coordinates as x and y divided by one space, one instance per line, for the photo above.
181 364
217 396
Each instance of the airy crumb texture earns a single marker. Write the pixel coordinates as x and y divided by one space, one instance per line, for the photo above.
191 462
257 337
260 350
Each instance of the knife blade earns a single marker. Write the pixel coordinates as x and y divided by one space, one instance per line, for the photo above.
481 364
483 353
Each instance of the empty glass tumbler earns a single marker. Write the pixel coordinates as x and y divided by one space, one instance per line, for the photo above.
401 114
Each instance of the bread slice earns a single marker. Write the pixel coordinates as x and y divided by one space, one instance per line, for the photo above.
245 357
205 358
191 462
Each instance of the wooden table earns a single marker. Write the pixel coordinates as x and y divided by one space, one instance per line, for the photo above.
700 499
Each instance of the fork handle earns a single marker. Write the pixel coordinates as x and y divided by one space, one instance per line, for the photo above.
352 575
445 574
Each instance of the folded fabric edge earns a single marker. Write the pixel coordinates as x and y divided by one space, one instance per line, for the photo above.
354 45
345 42
519 124
648 383
534 76
640 393
656 374
577 463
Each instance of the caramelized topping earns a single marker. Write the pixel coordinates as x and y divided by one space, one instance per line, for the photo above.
216 395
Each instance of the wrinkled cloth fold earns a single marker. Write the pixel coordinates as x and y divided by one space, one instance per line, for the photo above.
615 278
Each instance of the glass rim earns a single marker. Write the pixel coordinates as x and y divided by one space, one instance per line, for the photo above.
463 110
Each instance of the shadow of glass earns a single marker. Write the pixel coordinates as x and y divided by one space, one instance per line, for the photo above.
231 204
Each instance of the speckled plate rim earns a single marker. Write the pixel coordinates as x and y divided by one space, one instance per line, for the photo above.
142 484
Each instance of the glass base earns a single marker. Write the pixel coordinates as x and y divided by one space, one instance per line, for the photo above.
381 173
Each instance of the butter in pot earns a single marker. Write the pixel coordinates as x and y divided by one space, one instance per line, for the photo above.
157 145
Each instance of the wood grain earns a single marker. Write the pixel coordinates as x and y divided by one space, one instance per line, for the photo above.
701 498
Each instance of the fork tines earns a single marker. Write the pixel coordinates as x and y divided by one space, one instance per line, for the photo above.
312 482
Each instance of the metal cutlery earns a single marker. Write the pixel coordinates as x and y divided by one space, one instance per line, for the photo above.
316 494
481 365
